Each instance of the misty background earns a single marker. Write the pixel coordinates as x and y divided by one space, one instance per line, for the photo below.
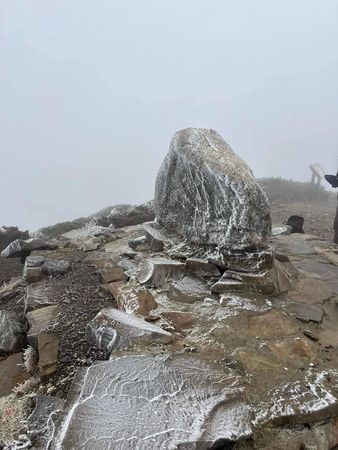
92 91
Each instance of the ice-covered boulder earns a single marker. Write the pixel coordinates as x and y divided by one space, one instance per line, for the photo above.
208 195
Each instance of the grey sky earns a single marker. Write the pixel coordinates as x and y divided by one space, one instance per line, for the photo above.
91 92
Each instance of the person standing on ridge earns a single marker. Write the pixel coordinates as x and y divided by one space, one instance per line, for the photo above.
333 180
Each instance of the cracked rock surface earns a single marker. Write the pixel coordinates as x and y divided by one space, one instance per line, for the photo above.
149 402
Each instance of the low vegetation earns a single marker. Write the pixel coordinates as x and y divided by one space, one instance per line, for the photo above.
285 191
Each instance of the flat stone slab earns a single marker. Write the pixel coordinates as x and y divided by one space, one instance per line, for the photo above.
135 243
315 269
11 288
90 245
279 279
244 261
180 320
138 301
257 284
304 312
278 230
157 271
155 237
333 284
53 267
331 256
12 337
38 297
129 266
177 401
189 290
120 246
202 268
47 348
21 247
116 288
272 325
113 273
307 400
329 338
90 230
11 373
310 291
291 353
34 261
293 245
40 422
40 319
112 329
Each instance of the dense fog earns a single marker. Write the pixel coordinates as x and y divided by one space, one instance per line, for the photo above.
92 91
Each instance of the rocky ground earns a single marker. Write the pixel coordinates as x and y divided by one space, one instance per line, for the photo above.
274 356
319 216
122 338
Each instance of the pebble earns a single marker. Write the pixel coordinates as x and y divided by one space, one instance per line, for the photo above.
310 335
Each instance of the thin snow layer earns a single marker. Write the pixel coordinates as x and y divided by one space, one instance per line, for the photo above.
147 402
234 304
89 230
300 400
208 195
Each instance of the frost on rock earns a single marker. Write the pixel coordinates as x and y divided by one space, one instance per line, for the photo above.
208 195
313 399
146 402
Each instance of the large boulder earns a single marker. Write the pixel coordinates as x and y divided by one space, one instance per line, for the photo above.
208 195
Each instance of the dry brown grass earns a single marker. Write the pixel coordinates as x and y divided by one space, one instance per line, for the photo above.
14 411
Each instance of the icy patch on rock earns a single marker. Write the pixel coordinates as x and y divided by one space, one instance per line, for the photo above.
300 401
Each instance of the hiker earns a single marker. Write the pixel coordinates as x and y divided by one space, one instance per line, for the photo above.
333 180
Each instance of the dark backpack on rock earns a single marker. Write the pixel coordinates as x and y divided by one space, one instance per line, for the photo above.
332 179
296 223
